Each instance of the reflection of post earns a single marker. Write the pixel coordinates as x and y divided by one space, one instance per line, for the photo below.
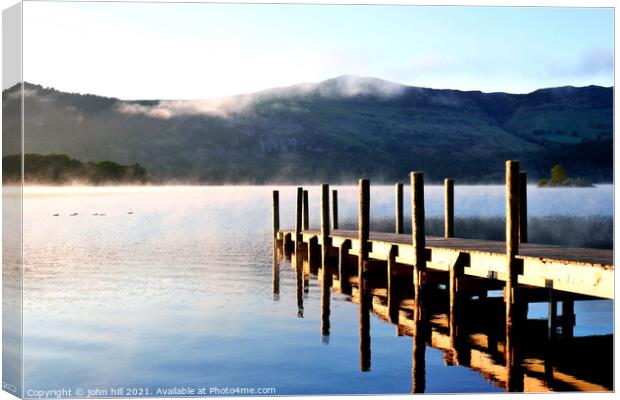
343 266
568 318
456 309
448 208
326 275
514 308
275 273
299 272
306 212
276 214
399 208
312 261
418 239
522 207
392 298
335 209
514 349
418 361
364 335
364 298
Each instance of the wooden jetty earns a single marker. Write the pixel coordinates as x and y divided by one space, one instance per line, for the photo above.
467 268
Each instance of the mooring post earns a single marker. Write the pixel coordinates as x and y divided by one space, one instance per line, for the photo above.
392 299
513 306
512 235
343 265
298 217
455 274
418 370
306 212
399 208
325 228
326 275
276 213
335 209
523 207
363 232
418 238
448 228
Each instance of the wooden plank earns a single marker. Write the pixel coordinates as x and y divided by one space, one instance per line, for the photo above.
582 271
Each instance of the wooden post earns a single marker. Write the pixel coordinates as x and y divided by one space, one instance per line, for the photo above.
392 299
418 238
513 306
363 234
552 316
418 372
325 228
343 265
314 258
298 216
326 275
399 208
551 328
448 208
286 243
335 209
455 311
276 213
523 207
512 235
306 212
568 318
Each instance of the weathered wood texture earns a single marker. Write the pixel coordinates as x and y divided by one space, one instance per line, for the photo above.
399 228
276 212
522 207
448 208
306 212
335 209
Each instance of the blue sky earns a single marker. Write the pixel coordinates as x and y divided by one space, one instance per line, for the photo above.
191 51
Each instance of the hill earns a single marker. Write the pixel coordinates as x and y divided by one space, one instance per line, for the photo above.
60 169
335 130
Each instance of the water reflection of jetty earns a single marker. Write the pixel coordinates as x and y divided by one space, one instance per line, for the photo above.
437 290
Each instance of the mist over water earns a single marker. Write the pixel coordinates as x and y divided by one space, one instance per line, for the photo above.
578 217
170 286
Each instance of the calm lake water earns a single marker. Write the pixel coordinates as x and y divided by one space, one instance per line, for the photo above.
173 287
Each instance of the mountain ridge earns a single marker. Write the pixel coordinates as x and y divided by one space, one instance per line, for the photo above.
337 129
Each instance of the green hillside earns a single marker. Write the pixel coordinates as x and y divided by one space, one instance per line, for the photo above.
323 132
